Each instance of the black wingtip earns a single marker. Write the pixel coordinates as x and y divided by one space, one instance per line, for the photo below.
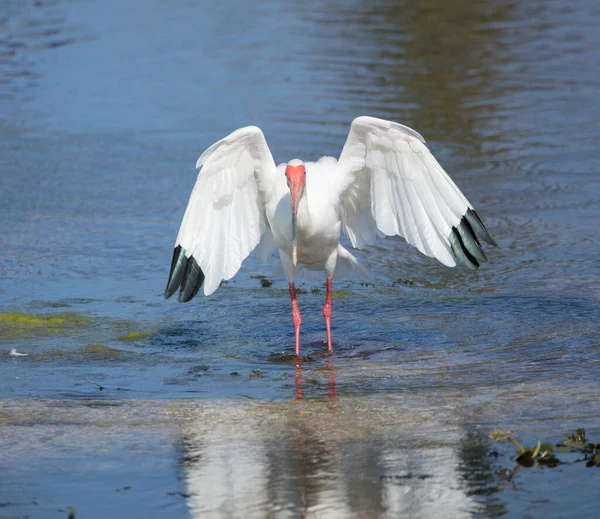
478 228
192 281
185 273
464 240
461 252
470 241
178 268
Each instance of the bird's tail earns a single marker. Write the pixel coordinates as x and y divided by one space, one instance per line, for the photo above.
348 266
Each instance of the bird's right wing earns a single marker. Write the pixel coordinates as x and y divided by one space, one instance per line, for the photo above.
389 182
225 218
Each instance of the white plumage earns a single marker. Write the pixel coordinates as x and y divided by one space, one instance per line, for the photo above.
386 182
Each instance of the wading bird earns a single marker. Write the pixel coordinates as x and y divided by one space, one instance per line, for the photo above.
386 182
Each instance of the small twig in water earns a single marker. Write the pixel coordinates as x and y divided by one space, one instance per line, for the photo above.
96 384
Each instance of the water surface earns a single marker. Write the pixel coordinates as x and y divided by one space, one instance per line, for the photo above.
104 109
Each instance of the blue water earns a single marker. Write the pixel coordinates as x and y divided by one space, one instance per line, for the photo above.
104 109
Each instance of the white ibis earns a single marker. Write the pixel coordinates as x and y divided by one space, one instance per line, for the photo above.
386 182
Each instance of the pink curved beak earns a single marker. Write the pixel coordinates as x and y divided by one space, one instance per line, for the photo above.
297 183
296 190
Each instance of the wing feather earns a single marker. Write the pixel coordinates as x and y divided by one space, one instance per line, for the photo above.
225 218
389 182
433 226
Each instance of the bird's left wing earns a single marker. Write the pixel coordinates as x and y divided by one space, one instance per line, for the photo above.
389 182
225 218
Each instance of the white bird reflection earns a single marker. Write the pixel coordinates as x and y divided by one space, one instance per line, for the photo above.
333 456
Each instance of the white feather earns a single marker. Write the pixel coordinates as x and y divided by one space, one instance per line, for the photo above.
409 194
386 182
225 218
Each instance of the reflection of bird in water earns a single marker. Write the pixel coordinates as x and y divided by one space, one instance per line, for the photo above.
330 392
386 182
362 457
298 392
331 385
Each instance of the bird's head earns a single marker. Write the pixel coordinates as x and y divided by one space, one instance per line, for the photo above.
295 173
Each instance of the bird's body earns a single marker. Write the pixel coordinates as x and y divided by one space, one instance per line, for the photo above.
318 220
386 182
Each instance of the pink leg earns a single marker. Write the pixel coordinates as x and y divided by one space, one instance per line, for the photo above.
327 314
296 316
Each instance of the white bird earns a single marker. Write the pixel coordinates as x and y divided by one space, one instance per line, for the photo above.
386 182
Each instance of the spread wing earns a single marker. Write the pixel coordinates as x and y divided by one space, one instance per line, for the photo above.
225 218
390 183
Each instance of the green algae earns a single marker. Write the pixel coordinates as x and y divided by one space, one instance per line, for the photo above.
18 326
21 325
341 294
134 336
101 352
29 321
53 354
91 352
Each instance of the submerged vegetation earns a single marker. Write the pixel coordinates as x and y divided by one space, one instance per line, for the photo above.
23 320
14 325
134 336
68 336
102 352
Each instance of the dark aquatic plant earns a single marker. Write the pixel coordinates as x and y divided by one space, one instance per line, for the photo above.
543 454
577 442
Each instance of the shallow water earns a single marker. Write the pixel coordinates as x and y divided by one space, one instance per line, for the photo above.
127 405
